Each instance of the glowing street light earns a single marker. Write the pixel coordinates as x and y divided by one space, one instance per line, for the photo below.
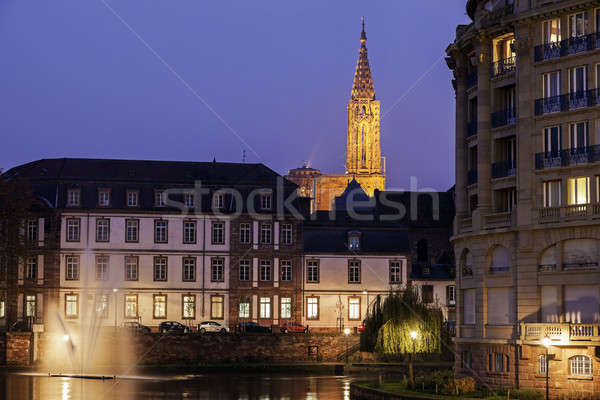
413 335
411 374
546 342
66 338
346 332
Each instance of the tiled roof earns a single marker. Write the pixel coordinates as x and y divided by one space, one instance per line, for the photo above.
372 241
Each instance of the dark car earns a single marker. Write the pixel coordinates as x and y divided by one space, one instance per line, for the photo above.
136 327
252 327
293 327
172 327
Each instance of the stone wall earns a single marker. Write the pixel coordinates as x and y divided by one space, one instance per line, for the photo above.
17 348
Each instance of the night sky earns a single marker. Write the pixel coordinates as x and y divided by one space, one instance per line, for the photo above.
196 79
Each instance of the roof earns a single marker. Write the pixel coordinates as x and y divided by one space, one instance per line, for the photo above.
355 192
372 241
435 272
363 87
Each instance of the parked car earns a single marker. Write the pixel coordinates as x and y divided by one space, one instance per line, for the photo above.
211 326
293 327
136 327
172 327
252 327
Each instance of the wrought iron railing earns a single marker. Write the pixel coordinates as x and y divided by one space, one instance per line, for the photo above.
472 80
504 117
574 45
502 169
504 66
563 158
471 128
472 177
566 102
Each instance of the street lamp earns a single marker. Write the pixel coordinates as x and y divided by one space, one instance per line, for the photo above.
411 375
115 290
346 332
547 342
366 293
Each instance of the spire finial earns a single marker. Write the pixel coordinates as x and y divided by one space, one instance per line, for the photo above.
363 34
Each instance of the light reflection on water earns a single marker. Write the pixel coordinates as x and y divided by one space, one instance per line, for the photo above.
211 386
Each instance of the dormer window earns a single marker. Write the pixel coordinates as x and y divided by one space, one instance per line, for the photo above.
73 198
354 240
104 197
266 201
189 200
160 198
218 201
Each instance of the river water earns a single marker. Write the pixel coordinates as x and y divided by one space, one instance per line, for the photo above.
209 386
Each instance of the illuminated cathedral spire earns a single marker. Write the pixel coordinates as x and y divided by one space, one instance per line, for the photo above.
363 87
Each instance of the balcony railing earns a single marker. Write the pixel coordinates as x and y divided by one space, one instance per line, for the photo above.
502 169
472 80
472 177
561 333
499 220
504 66
472 128
567 47
567 102
504 117
563 158
570 212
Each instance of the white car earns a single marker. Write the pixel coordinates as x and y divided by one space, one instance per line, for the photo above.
211 326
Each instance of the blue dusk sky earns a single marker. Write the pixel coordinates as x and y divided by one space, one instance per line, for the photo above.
196 79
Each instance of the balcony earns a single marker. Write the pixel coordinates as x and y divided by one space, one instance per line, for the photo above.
472 177
567 102
503 67
575 45
502 169
499 220
504 117
472 80
471 128
567 213
567 157
561 334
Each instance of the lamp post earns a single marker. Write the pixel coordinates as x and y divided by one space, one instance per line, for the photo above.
115 290
547 342
366 292
411 375
346 332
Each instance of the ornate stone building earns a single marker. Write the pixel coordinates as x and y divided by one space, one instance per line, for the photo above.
527 227
363 148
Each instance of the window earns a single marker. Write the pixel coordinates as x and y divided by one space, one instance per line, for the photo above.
422 251
189 232
286 271
131 306
189 306
551 31
469 306
131 268
32 231
395 272
72 268
578 135
451 294
551 193
578 190
245 233
265 233
466 359
101 268
160 198
542 364
354 271
266 201
132 227
73 229
286 307
577 24
71 305
73 198
30 306
2 309
216 307
101 306
354 308
132 198
31 268
552 141
102 230
312 308
244 309
265 270
312 272
580 366
244 270
496 362
160 268
286 234
189 200
577 80
427 293
218 233
216 270
160 231
218 201
160 306
103 197
354 242
265 307
500 306
189 269
551 84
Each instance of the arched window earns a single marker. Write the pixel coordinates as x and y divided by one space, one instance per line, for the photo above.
364 109
466 264
580 365
422 251
500 260
548 259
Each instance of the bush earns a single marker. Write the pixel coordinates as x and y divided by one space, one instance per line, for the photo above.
526 394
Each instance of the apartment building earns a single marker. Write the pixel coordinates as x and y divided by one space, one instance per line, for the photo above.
527 226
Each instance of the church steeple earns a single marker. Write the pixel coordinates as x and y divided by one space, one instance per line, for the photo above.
363 87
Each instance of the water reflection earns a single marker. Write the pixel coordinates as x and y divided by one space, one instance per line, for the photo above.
211 386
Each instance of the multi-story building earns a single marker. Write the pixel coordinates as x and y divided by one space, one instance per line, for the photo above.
527 229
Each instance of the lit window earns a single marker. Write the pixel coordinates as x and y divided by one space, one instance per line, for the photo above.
354 308
102 230
578 190
286 234
265 270
102 306
395 272
551 31
265 233
244 309
312 271
286 271
354 242
71 305
30 306
73 229
189 232
189 269
31 268
451 294
542 364
2 309
266 201
216 307
312 308
244 270
131 268
160 198
218 233
160 306
189 306
580 366
131 306
132 198
286 307
101 268
354 271
73 197
133 226
216 270
103 197
265 307
72 268
160 231
160 268
245 231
